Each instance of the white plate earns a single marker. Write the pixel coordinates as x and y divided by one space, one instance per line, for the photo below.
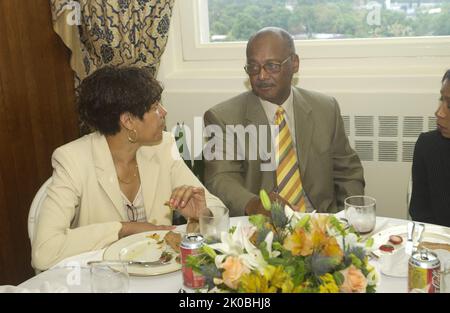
433 233
143 247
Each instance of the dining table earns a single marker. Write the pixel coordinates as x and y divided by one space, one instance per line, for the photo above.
73 274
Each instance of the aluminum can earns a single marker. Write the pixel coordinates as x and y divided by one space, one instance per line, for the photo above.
191 245
424 272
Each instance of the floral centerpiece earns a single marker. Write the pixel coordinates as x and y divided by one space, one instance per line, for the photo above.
287 252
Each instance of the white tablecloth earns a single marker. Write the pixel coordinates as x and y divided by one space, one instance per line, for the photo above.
73 273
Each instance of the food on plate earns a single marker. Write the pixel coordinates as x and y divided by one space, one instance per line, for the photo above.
434 245
173 240
386 248
154 236
396 240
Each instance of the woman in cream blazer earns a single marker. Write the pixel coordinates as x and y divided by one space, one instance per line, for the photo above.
129 163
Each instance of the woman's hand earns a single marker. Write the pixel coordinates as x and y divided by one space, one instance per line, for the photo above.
131 228
189 200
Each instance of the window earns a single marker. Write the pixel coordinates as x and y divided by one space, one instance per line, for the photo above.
236 20
208 36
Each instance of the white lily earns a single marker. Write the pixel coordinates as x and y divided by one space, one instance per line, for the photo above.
351 241
269 241
292 216
237 244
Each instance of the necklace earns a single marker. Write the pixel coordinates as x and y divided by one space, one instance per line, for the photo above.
132 178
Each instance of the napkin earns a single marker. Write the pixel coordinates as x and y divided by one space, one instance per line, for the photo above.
80 260
395 264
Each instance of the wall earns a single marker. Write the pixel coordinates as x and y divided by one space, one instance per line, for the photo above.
36 115
387 90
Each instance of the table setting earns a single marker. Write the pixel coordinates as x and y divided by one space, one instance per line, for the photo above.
291 252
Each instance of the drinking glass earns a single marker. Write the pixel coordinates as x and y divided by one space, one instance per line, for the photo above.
109 277
213 222
360 212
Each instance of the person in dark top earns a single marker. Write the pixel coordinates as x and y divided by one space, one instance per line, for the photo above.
430 200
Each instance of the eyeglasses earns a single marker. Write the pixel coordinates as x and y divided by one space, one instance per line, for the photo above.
132 213
270 67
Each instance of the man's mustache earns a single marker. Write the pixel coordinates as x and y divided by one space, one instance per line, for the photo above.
264 85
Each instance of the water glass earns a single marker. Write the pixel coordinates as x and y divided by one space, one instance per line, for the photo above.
360 212
109 277
213 222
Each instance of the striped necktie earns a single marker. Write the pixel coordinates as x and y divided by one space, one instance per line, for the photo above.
288 172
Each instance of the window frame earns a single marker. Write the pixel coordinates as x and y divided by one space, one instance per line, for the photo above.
195 28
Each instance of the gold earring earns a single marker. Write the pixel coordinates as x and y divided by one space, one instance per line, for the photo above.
130 136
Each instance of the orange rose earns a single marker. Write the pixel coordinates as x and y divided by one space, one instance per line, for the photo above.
234 269
354 280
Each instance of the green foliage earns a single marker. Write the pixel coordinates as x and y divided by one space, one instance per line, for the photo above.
338 278
238 20
278 217
257 220
265 200
321 265
303 221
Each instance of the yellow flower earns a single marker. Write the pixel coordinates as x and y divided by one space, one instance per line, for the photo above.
234 269
354 280
277 277
299 243
320 222
256 283
328 284
332 249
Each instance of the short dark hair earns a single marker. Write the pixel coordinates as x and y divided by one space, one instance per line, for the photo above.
446 76
288 39
111 91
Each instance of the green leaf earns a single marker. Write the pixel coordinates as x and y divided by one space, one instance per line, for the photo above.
339 278
265 200
303 221
263 249
337 224
209 251
355 260
257 220
277 246
369 242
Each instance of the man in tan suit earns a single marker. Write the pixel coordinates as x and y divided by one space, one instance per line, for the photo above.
329 168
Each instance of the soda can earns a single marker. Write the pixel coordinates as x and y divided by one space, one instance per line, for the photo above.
424 272
191 245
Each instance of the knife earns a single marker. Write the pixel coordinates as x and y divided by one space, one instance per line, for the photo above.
421 229
409 242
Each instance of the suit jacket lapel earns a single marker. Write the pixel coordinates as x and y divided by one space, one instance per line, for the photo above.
304 127
256 115
106 172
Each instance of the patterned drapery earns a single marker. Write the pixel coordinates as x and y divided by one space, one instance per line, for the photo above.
112 32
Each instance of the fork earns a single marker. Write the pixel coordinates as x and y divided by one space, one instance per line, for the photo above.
165 258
